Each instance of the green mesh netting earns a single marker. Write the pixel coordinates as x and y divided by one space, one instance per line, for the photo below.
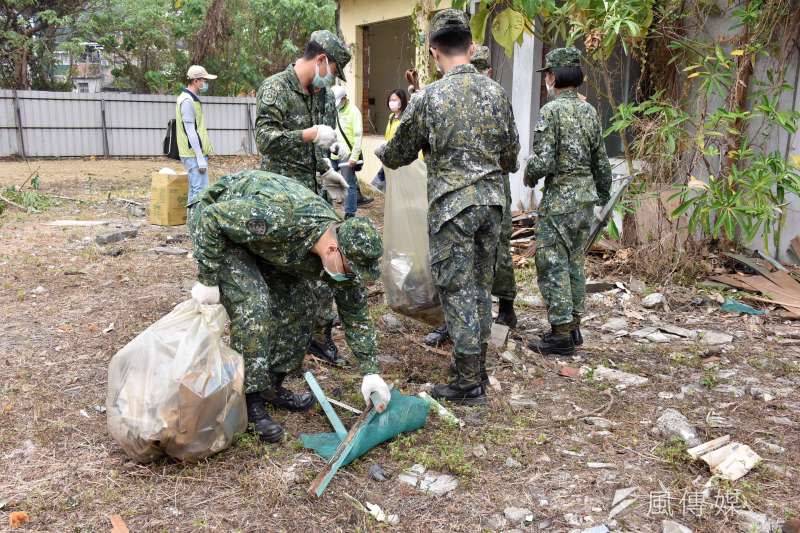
405 413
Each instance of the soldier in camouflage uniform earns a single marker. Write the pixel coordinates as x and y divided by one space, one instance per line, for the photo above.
464 125
505 285
295 126
261 241
568 151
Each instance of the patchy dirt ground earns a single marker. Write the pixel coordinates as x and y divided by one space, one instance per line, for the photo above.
530 448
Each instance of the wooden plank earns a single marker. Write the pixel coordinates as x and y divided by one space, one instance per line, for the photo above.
352 438
338 427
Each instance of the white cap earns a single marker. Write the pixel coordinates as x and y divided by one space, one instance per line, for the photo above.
339 92
196 72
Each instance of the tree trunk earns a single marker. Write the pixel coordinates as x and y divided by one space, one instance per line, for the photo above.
212 33
22 80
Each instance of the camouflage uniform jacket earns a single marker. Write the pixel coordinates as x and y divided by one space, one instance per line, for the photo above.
283 111
465 127
278 221
568 151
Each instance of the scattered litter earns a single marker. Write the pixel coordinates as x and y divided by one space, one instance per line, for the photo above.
717 421
26 450
728 460
441 411
568 372
761 393
496 522
430 482
600 465
712 337
782 421
518 515
736 392
599 422
378 514
39 290
118 524
678 331
753 522
655 300
776 287
669 526
116 236
479 451
509 357
770 446
17 518
377 473
494 384
519 400
83 413
620 507
109 328
513 463
391 323
571 453
734 306
499 335
615 324
83 223
665 395
622 494
169 250
622 379
673 424
657 337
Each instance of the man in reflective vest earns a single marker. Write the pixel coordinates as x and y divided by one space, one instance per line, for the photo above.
194 145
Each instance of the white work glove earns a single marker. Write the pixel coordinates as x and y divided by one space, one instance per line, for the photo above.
374 383
202 164
335 184
205 295
341 150
325 136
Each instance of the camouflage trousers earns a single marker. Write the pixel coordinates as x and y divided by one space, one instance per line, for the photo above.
462 263
272 316
505 285
560 263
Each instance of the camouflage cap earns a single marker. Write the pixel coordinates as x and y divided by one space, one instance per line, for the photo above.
481 59
334 48
562 57
448 20
361 245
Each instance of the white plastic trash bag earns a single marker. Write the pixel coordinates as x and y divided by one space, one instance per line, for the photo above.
406 275
177 388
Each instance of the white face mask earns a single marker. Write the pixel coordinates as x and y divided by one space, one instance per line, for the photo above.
394 105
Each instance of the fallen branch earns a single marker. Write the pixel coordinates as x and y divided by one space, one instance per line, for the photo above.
426 347
11 203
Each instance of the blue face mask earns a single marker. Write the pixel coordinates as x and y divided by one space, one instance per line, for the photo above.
204 87
321 82
339 276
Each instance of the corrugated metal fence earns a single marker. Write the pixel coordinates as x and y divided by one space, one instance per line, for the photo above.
55 124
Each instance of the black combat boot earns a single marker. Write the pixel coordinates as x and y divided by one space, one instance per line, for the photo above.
557 342
265 427
506 314
466 387
283 398
482 360
437 337
577 338
326 350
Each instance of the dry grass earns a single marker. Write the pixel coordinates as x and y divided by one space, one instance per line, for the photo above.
54 356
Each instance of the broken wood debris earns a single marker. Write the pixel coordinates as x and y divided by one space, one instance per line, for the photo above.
777 287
